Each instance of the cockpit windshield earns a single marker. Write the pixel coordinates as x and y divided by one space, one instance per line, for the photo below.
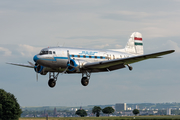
46 52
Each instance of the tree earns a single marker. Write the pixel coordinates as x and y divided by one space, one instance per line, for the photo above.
135 111
81 112
108 110
9 107
96 110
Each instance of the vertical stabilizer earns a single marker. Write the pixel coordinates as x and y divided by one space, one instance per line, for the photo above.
135 44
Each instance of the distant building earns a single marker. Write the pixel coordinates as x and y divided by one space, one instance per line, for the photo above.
55 112
120 106
128 108
137 107
168 111
45 113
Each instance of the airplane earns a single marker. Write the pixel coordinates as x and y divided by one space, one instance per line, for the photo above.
68 60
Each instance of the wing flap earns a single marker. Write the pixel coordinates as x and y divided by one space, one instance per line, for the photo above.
125 61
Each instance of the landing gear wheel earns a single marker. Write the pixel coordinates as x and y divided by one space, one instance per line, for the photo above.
52 83
84 81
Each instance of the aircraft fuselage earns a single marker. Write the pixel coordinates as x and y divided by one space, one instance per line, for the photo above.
56 57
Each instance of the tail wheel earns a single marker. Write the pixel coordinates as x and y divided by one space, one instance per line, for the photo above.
84 81
52 83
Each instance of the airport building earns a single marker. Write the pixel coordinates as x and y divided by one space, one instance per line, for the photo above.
120 106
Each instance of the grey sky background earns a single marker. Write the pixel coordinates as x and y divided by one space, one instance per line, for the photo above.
28 26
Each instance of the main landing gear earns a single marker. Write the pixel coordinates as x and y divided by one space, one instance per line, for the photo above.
52 79
85 78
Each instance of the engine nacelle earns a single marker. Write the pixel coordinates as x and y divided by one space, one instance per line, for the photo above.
80 63
77 65
38 68
73 63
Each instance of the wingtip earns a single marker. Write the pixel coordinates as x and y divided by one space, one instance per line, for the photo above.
170 51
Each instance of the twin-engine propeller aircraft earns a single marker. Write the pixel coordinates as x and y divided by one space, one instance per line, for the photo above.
57 60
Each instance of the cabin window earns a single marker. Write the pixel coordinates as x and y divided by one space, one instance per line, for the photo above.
89 56
78 56
72 55
95 56
50 52
84 56
54 52
101 57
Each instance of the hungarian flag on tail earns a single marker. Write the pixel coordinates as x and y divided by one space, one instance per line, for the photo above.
138 41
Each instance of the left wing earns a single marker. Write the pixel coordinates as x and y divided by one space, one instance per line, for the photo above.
124 61
23 65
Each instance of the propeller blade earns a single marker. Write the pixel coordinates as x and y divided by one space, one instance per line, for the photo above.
37 77
72 66
64 70
37 72
31 64
68 56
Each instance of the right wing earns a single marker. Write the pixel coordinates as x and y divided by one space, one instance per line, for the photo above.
124 61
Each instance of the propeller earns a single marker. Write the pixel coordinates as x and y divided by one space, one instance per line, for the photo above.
36 68
69 63
31 64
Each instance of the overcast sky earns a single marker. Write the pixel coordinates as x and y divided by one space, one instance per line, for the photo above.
28 26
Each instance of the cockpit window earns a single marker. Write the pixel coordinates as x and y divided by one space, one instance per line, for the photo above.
54 52
45 52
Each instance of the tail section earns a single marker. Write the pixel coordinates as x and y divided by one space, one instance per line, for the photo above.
135 44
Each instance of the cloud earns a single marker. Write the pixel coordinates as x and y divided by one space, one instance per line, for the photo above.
101 46
125 15
27 50
118 46
172 45
6 52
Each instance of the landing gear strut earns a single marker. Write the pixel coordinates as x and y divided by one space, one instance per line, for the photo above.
52 79
85 78
130 68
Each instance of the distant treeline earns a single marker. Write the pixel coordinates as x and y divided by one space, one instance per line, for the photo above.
111 118
159 106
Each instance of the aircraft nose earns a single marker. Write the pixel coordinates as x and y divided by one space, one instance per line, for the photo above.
35 58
